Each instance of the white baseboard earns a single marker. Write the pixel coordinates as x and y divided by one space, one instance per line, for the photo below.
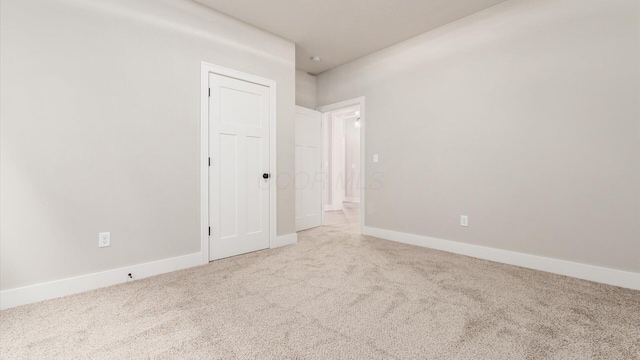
285 240
598 274
58 288
355 200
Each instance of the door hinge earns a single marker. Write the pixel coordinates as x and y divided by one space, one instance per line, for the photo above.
209 230
209 92
209 161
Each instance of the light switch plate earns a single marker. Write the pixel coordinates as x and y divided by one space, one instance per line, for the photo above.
375 158
464 220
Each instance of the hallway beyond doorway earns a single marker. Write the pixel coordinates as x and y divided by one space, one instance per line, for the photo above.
347 219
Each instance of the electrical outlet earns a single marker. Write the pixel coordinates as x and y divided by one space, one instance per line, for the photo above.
464 220
104 239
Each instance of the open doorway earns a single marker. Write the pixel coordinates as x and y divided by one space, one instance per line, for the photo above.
342 167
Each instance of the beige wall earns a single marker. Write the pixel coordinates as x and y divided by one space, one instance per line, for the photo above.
305 90
351 160
525 117
100 129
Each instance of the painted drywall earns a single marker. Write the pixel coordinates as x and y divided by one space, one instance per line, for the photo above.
525 117
305 89
100 125
336 161
351 160
327 141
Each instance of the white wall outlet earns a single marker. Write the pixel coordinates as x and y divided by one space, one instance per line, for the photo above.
464 220
375 158
104 239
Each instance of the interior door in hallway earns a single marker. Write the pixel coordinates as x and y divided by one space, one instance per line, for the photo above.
239 171
308 177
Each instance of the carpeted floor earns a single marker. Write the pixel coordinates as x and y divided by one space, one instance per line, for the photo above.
334 295
347 219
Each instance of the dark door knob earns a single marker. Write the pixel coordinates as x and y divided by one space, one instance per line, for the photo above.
265 176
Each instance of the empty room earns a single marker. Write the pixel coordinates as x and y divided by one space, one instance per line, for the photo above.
335 179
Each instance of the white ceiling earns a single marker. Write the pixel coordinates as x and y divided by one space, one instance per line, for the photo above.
340 31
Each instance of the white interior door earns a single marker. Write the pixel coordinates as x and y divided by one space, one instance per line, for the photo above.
308 178
239 153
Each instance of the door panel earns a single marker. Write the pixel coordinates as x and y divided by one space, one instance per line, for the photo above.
239 107
254 184
308 179
228 148
239 151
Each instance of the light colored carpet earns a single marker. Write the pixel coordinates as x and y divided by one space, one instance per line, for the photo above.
347 219
334 295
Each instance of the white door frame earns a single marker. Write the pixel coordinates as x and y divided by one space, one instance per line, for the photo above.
363 155
206 69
